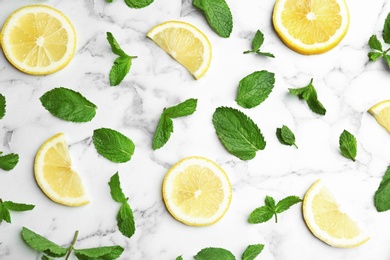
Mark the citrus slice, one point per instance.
(327, 222)
(38, 39)
(381, 113)
(185, 43)
(54, 174)
(311, 26)
(196, 191)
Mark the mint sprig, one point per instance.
(138, 3)
(255, 88)
(257, 41)
(270, 209)
(376, 46)
(68, 105)
(382, 195)
(214, 253)
(121, 65)
(8, 161)
(348, 145)
(252, 251)
(165, 123)
(218, 15)
(286, 136)
(7, 206)
(2, 106)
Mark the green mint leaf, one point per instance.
(238, 133)
(120, 69)
(5, 214)
(266, 54)
(285, 136)
(382, 195)
(374, 56)
(116, 49)
(125, 220)
(309, 94)
(387, 59)
(386, 30)
(103, 253)
(163, 131)
(46, 258)
(286, 203)
(8, 161)
(2, 106)
(348, 145)
(255, 88)
(214, 253)
(218, 15)
(269, 202)
(138, 3)
(185, 108)
(179, 258)
(258, 40)
(113, 145)
(260, 215)
(68, 105)
(115, 189)
(42, 244)
(17, 206)
(252, 251)
(374, 43)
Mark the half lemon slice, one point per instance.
(381, 113)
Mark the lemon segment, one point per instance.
(327, 221)
(311, 26)
(185, 43)
(196, 191)
(381, 113)
(38, 39)
(54, 174)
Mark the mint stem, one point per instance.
(386, 51)
(72, 245)
(276, 218)
(246, 52)
(295, 145)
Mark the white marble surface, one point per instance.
(347, 85)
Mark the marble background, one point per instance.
(347, 85)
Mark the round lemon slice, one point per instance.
(381, 113)
(38, 39)
(311, 26)
(185, 43)
(54, 174)
(197, 191)
(327, 222)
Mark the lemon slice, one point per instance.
(54, 173)
(38, 39)
(185, 43)
(327, 222)
(197, 191)
(311, 26)
(381, 113)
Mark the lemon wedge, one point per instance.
(54, 174)
(327, 222)
(381, 113)
(38, 39)
(311, 26)
(196, 191)
(185, 43)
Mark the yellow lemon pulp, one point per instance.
(54, 174)
(311, 26)
(327, 221)
(185, 43)
(38, 39)
(381, 113)
(196, 191)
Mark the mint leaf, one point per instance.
(309, 94)
(238, 133)
(165, 124)
(258, 40)
(104, 253)
(269, 201)
(115, 189)
(382, 195)
(386, 30)
(45, 258)
(42, 244)
(2, 106)
(255, 88)
(122, 64)
(387, 59)
(252, 251)
(374, 43)
(185, 108)
(374, 56)
(68, 105)
(4, 214)
(125, 220)
(17, 206)
(218, 15)
(214, 253)
(286, 203)
(113, 145)
(260, 215)
(285, 136)
(8, 161)
(348, 145)
(179, 258)
(138, 3)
